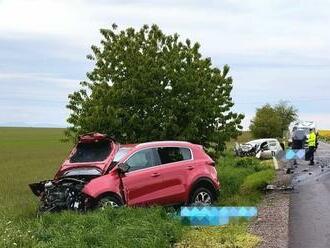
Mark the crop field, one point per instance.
(325, 135)
(27, 155)
(33, 154)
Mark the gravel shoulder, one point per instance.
(272, 223)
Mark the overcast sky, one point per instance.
(276, 49)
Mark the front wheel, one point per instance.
(202, 197)
(109, 202)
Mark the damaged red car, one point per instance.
(100, 172)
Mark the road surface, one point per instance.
(309, 221)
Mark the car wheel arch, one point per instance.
(109, 193)
(204, 182)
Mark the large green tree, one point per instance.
(287, 113)
(147, 85)
(266, 123)
(273, 121)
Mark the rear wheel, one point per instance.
(202, 197)
(109, 201)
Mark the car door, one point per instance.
(143, 182)
(176, 165)
(266, 153)
(274, 147)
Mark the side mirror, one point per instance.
(123, 167)
(282, 145)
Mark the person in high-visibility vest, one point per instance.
(311, 146)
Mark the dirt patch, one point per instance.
(272, 223)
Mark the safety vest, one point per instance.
(312, 139)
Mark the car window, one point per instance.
(273, 143)
(142, 159)
(264, 145)
(173, 154)
(121, 153)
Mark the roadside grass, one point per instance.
(233, 235)
(243, 180)
(122, 227)
(31, 154)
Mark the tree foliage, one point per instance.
(147, 85)
(272, 121)
(287, 114)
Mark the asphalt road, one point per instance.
(309, 221)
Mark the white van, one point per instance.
(300, 125)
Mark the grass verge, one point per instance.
(235, 236)
(243, 180)
(123, 227)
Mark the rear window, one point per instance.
(91, 152)
(173, 154)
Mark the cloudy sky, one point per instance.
(276, 49)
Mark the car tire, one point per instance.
(109, 201)
(201, 197)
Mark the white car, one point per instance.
(261, 148)
(267, 147)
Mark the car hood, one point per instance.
(67, 167)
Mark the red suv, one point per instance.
(100, 172)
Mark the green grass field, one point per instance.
(33, 154)
(27, 155)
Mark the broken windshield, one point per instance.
(91, 152)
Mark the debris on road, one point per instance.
(271, 187)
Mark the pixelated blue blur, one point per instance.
(215, 216)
